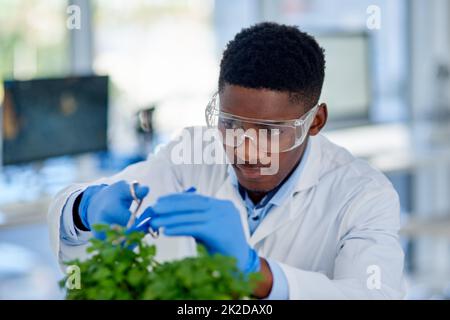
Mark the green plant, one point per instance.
(115, 271)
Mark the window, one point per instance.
(33, 38)
(159, 52)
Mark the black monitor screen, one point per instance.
(54, 117)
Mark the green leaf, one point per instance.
(114, 271)
(135, 277)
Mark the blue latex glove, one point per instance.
(142, 223)
(213, 222)
(108, 204)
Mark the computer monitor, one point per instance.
(348, 79)
(45, 118)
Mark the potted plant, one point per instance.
(123, 266)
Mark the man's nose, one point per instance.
(247, 151)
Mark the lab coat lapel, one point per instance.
(281, 215)
(278, 217)
(311, 171)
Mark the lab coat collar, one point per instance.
(311, 171)
(289, 186)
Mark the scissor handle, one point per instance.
(137, 200)
(154, 234)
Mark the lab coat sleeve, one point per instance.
(69, 233)
(369, 263)
(64, 248)
(280, 289)
(156, 172)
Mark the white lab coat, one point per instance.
(335, 238)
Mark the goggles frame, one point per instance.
(304, 121)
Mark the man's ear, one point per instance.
(319, 120)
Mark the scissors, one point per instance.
(154, 234)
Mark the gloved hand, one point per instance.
(213, 222)
(108, 204)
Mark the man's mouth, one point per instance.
(250, 171)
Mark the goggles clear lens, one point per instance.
(267, 135)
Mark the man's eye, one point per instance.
(274, 132)
(229, 124)
(269, 131)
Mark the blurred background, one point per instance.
(89, 87)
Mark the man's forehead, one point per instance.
(259, 103)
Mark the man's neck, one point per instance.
(256, 196)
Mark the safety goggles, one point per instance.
(270, 136)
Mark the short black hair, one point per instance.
(276, 57)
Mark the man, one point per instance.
(322, 225)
